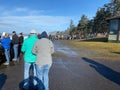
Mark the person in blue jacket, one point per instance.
(5, 42)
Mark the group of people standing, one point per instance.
(37, 53)
(12, 46)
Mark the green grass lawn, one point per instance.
(104, 50)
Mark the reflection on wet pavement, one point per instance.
(59, 47)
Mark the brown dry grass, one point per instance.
(106, 50)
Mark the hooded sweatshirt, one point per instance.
(43, 48)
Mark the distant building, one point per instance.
(114, 29)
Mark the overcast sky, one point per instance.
(49, 15)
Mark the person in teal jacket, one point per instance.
(29, 57)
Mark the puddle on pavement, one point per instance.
(64, 49)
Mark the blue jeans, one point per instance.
(15, 48)
(27, 67)
(43, 75)
(7, 55)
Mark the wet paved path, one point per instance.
(74, 71)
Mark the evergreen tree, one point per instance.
(82, 25)
(100, 23)
(72, 28)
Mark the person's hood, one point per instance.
(44, 35)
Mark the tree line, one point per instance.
(89, 27)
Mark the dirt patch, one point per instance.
(58, 54)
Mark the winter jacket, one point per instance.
(15, 39)
(27, 49)
(43, 48)
(21, 39)
(6, 42)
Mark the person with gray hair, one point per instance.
(5, 41)
(44, 49)
(29, 57)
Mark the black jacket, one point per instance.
(15, 39)
(21, 38)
